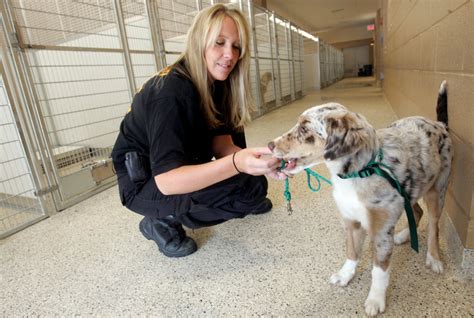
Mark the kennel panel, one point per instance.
(263, 39)
(298, 60)
(253, 84)
(144, 67)
(137, 25)
(82, 96)
(262, 34)
(266, 81)
(84, 61)
(175, 19)
(283, 46)
(138, 35)
(19, 204)
(64, 23)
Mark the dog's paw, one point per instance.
(434, 264)
(345, 274)
(402, 236)
(342, 278)
(375, 305)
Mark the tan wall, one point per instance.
(345, 34)
(343, 45)
(426, 41)
(260, 3)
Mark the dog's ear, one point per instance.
(346, 134)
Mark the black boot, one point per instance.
(264, 207)
(169, 235)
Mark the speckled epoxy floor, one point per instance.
(90, 260)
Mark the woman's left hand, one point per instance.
(258, 161)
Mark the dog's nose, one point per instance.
(271, 145)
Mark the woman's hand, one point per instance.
(258, 161)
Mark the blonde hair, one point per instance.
(202, 34)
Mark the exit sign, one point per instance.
(371, 27)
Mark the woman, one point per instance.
(182, 118)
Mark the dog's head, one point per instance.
(325, 132)
(265, 78)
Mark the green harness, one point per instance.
(376, 167)
(373, 167)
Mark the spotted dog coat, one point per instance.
(417, 150)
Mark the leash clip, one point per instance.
(289, 208)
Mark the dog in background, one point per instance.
(417, 150)
(265, 79)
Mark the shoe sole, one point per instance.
(169, 254)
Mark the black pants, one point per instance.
(232, 198)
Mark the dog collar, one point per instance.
(375, 166)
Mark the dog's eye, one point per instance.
(302, 130)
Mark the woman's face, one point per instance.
(222, 55)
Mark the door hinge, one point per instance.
(13, 37)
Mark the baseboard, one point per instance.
(462, 257)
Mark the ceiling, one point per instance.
(325, 15)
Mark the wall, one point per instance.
(345, 34)
(426, 42)
(355, 58)
(311, 66)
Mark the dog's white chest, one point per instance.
(348, 202)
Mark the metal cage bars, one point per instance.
(71, 68)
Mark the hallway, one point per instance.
(269, 265)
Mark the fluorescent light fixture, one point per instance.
(309, 36)
(287, 25)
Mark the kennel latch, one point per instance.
(44, 191)
(102, 170)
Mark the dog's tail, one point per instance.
(442, 106)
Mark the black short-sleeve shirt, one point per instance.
(166, 125)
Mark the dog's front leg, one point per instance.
(355, 236)
(382, 247)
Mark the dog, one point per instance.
(417, 150)
(265, 79)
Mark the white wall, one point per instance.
(355, 58)
(311, 71)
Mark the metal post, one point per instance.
(126, 51)
(160, 44)
(292, 50)
(155, 40)
(271, 57)
(289, 47)
(301, 44)
(255, 51)
(277, 49)
(319, 63)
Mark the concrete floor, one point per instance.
(90, 260)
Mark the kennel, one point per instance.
(331, 61)
(69, 69)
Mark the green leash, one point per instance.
(309, 173)
(375, 167)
